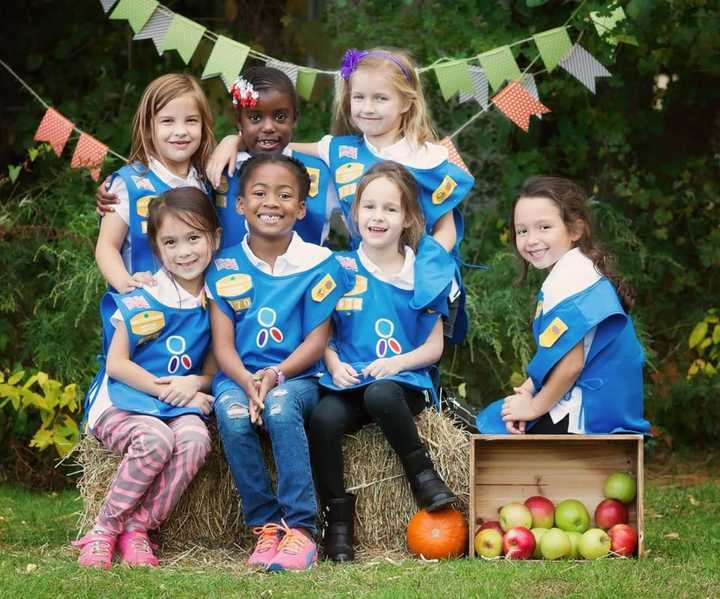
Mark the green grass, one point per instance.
(682, 539)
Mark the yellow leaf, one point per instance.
(16, 378)
(709, 369)
(30, 382)
(698, 333)
(52, 393)
(69, 397)
(42, 378)
(42, 439)
(462, 390)
(716, 334)
(2, 377)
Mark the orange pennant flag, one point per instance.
(89, 153)
(55, 129)
(453, 154)
(518, 105)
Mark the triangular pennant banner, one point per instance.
(137, 12)
(89, 153)
(226, 60)
(499, 64)
(305, 82)
(337, 84)
(453, 154)
(604, 25)
(528, 82)
(453, 77)
(156, 28)
(480, 88)
(107, 4)
(584, 67)
(54, 129)
(518, 105)
(553, 45)
(184, 36)
(291, 70)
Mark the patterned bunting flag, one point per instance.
(453, 77)
(156, 28)
(184, 36)
(553, 45)
(499, 64)
(107, 4)
(528, 82)
(54, 129)
(453, 154)
(584, 67)
(306, 82)
(604, 25)
(226, 60)
(89, 153)
(137, 12)
(518, 105)
(291, 70)
(480, 87)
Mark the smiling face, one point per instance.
(380, 215)
(177, 133)
(267, 128)
(271, 201)
(541, 235)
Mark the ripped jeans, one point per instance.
(287, 408)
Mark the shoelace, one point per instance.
(268, 535)
(292, 541)
(140, 544)
(99, 547)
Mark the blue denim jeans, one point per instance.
(287, 408)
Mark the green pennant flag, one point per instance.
(606, 24)
(453, 77)
(499, 64)
(137, 12)
(305, 82)
(184, 36)
(226, 60)
(553, 45)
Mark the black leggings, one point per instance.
(545, 426)
(392, 405)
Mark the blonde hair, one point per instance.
(156, 96)
(409, 204)
(415, 125)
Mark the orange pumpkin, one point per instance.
(437, 535)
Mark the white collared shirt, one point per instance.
(427, 155)
(402, 279)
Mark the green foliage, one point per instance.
(704, 341)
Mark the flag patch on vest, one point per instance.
(135, 301)
(226, 264)
(347, 152)
(349, 303)
(552, 333)
(142, 206)
(147, 323)
(348, 172)
(444, 190)
(314, 180)
(323, 288)
(347, 262)
(233, 285)
(142, 183)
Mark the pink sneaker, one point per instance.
(96, 550)
(136, 549)
(267, 544)
(295, 552)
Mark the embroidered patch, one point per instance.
(224, 186)
(232, 285)
(314, 180)
(538, 310)
(142, 183)
(347, 262)
(349, 304)
(266, 318)
(360, 287)
(176, 345)
(135, 301)
(147, 323)
(348, 172)
(384, 329)
(226, 264)
(444, 190)
(347, 190)
(241, 304)
(347, 152)
(323, 288)
(220, 200)
(142, 206)
(552, 333)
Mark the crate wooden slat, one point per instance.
(505, 468)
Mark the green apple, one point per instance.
(620, 486)
(574, 545)
(572, 516)
(555, 544)
(539, 533)
(594, 543)
(513, 515)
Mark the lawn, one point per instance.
(682, 541)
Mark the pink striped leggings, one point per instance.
(160, 458)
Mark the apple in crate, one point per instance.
(574, 544)
(555, 544)
(572, 516)
(493, 524)
(621, 486)
(513, 515)
(519, 543)
(542, 510)
(489, 543)
(594, 544)
(538, 533)
(610, 512)
(623, 539)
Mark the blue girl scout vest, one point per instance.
(310, 228)
(272, 315)
(611, 380)
(378, 320)
(165, 341)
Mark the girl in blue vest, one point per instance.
(172, 138)
(387, 332)
(272, 297)
(149, 402)
(586, 376)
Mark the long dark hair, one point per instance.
(570, 198)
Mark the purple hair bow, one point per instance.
(352, 59)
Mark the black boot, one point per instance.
(430, 492)
(339, 529)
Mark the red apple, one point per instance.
(518, 543)
(489, 543)
(542, 510)
(494, 524)
(623, 539)
(610, 512)
(513, 515)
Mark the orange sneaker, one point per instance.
(296, 552)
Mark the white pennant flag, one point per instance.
(291, 70)
(107, 4)
(338, 81)
(156, 27)
(583, 66)
(480, 87)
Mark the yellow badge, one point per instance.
(314, 180)
(349, 303)
(347, 190)
(234, 285)
(220, 200)
(323, 288)
(348, 172)
(538, 310)
(360, 286)
(551, 334)
(224, 186)
(142, 206)
(147, 323)
(444, 190)
(241, 304)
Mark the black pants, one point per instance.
(392, 405)
(545, 426)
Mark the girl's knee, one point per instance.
(194, 437)
(232, 412)
(327, 421)
(380, 396)
(156, 441)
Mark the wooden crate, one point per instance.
(505, 468)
